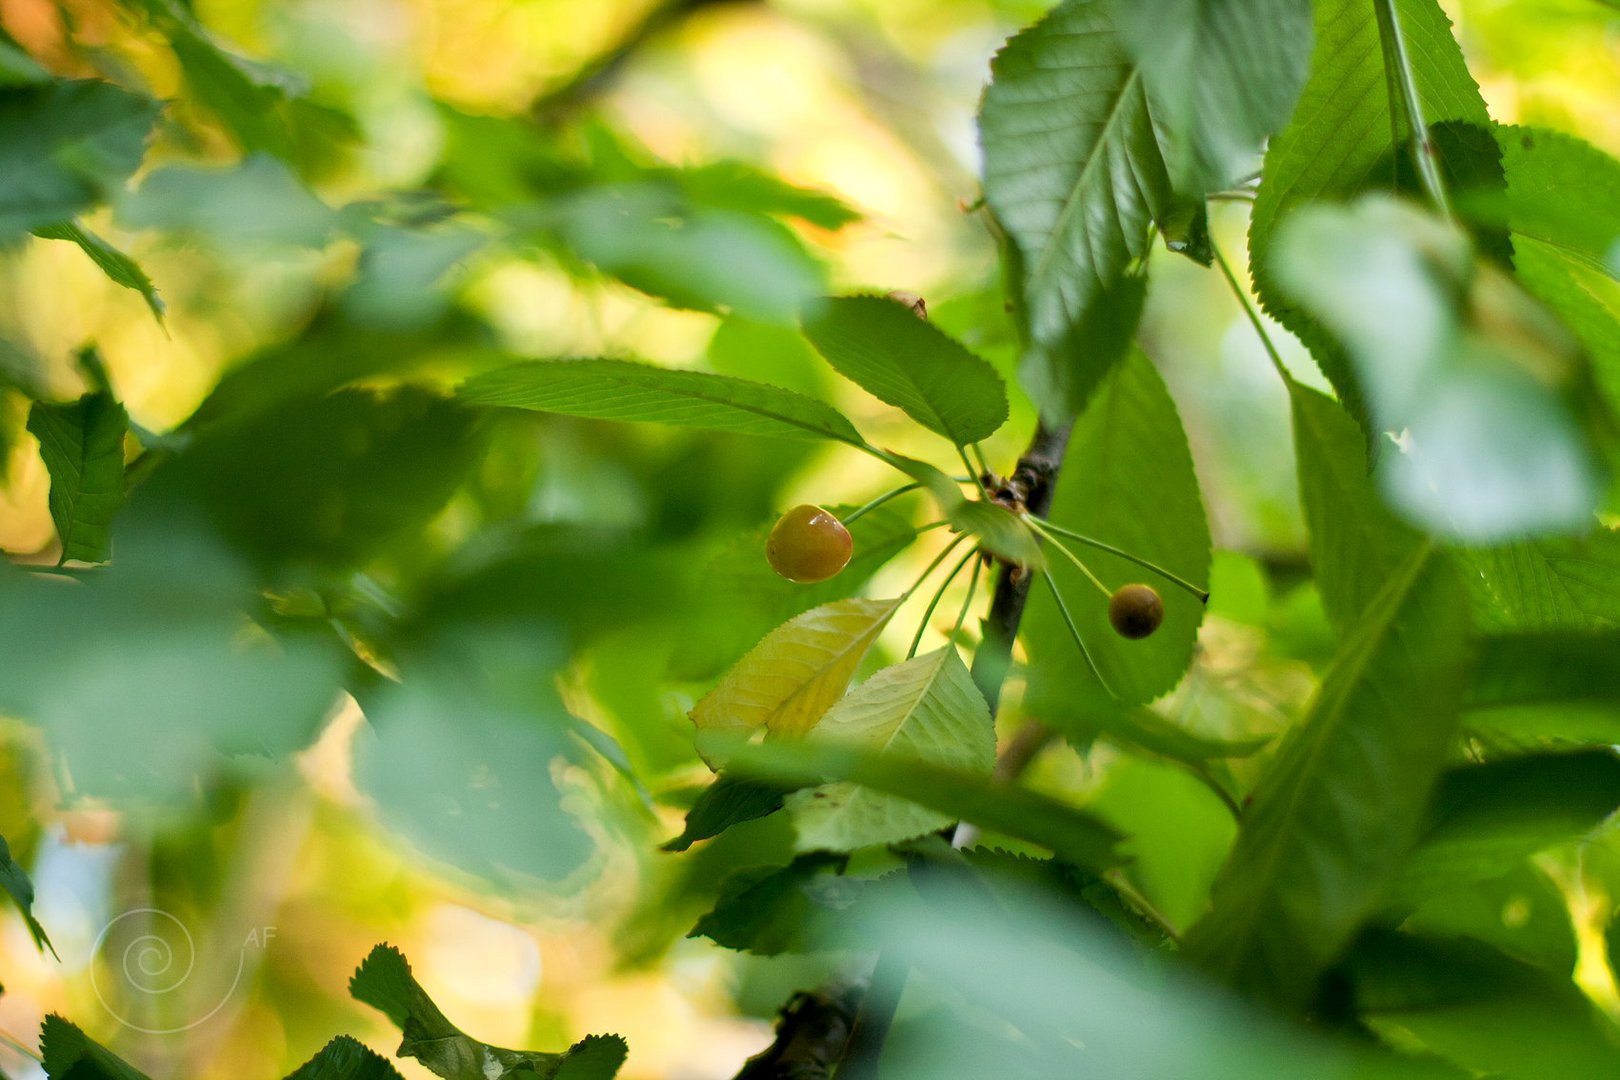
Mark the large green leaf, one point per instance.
(1566, 583)
(83, 447)
(1473, 373)
(771, 910)
(1074, 173)
(119, 267)
(1487, 819)
(923, 710)
(1585, 299)
(726, 802)
(1345, 796)
(384, 981)
(255, 204)
(345, 1059)
(1341, 140)
(1223, 75)
(786, 682)
(908, 362)
(14, 879)
(1561, 191)
(623, 390)
(1356, 542)
(64, 146)
(1127, 480)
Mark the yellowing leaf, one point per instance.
(787, 681)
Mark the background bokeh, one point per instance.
(285, 873)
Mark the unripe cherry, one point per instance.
(808, 545)
(1135, 611)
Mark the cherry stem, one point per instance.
(939, 594)
(877, 502)
(1254, 316)
(1046, 528)
(973, 473)
(978, 455)
(946, 550)
(1040, 527)
(973, 585)
(1074, 632)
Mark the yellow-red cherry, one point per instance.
(1135, 611)
(808, 545)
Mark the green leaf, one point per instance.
(726, 802)
(622, 390)
(17, 68)
(1356, 542)
(69, 1052)
(1341, 139)
(922, 710)
(66, 145)
(1470, 1004)
(1074, 174)
(83, 448)
(384, 981)
(772, 910)
(1586, 300)
(1222, 76)
(1471, 371)
(1128, 481)
(119, 268)
(332, 481)
(1524, 668)
(345, 1059)
(1564, 583)
(1562, 192)
(258, 203)
(998, 531)
(1345, 795)
(1487, 819)
(908, 362)
(14, 879)
(794, 675)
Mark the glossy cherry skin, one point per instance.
(808, 545)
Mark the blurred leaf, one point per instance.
(258, 203)
(17, 68)
(907, 362)
(740, 186)
(772, 910)
(740, 598)
(146, 674)
(70, 1053)
(1490, 447)
(787, 681)
(1356, 542)
(1340, 143)
(1072, 834)
(1533, 668)
(1586, 300)
(83, 448)
(1075, 197)
(1345, 795)
(1128, 481)
(467, 776)
(119, 268)
(926, 709)
(1141, 729)
(1486, 819)
(14, 879)
(1224, 75)
(1566, 583)
(622, 390)
(1040, 991)
(706, 259)
(345, 1059)
(66, 145)
(1522, 912)
(726, 802)
(401, 273)
(1474, 1006)
(384, 981)
(334, 480)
